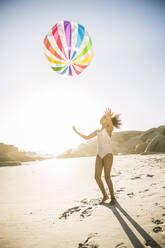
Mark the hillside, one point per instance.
(124, 142)
(10, 155)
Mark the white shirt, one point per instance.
(104, 143)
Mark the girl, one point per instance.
(104, 157)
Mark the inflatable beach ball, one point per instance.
(68, 48)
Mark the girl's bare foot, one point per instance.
(104, 199)
(113, 201)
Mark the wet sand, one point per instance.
(55, 203)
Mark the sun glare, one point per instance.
(46, 119)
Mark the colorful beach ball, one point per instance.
(68, 47)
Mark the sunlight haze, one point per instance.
(38, 107)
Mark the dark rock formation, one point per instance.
(157, 144)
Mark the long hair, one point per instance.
(116, 121)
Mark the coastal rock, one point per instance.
(10, 155)
(140, 147)
(157, 144)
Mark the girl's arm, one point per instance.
(86, 137)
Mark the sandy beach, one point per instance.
(55, 203)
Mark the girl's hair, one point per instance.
(116, 121)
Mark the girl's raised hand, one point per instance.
(109, 112)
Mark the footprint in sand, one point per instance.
(157, 229)
(149, 175)
(157, 221)
(121, 245)
(87, 212)
(93, 201)
(69, 212)
(86, 243)
(133, 178)
(131, 194)
(84, 201)
(120, 189)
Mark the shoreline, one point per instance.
(18, 163)
(10, 163)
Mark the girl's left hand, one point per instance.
(109, 112)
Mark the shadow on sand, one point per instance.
(149, 241)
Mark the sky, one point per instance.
(38, 106)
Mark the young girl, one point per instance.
(104, 158)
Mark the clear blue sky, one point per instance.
(126, 73)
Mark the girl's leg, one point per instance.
(98, 172)
(108, 160)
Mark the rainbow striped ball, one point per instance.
(68, 47)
